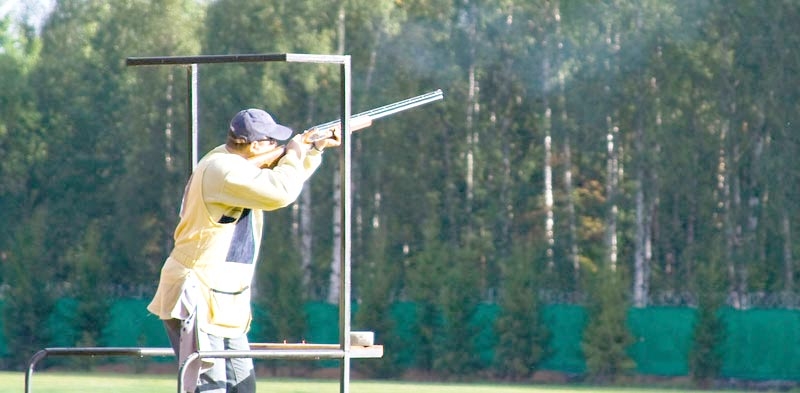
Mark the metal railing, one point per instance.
(92, 352)
(257, 351)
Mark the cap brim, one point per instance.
(280, 132)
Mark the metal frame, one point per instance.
(90, 351)
(343, 351)
(301, 351)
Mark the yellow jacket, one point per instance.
(219, 235)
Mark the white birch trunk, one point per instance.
(471, 138)
(473, 108)
(739, 272)
(572, 217)
(306, 238)
(640, 263)
(302, 226)
(169, 162)
(611, 191)
(359, 219)
(613, 168)
(724, 190)
(548, 170)
(788, 258)
(334, 279)
(568, 186)
(641, 260)
(169, 159)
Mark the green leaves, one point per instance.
(701, 101)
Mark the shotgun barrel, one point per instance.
(364, 119)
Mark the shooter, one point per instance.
(203, 295)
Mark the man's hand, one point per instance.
(297, 147)
(269, 158)
(334, 141)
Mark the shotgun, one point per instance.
(357, 122)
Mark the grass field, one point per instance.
(50, 382)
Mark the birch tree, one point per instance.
(570, 237)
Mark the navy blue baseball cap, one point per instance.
(256, 125)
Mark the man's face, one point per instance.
(263, 146)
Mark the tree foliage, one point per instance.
(606, 338)
(656, 136)
(705, 358)
(523, 340)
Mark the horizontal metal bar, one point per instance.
(205, 59)
(299, 351)
(311, 58)
(275, 354)
(109, 351)
(240, 58)
(90, 351)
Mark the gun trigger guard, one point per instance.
(318, 135)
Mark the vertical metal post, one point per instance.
(344, 292)
(192, 117)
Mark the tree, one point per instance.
(698, 101)
(21, 142)
(705, 358)
(88, 269)
(279, 293)
(422, 270)
(151, 113)
(31, 298)
(375, 293)
(100, 157)
(457, 351)
(606, 338)
(522, 338)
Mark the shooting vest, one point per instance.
(217, 239)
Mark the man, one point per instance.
(203, 294)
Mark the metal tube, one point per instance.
(413, 102)
(241, 58)
(31, 365)
(318, 59)
(90, 351)
(344, 292)
(390, 109)
(204, 59)
(192, 109)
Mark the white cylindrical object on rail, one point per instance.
(363, 339)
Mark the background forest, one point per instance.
(610, 154)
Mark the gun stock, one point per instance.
(318, 133)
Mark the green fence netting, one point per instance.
(759, 344)
(404, 315)
(485, 339)
(663, 337)
(131, 325)
(565, 324)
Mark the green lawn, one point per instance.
(51, 382)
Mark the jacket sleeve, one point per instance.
(234, 181)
